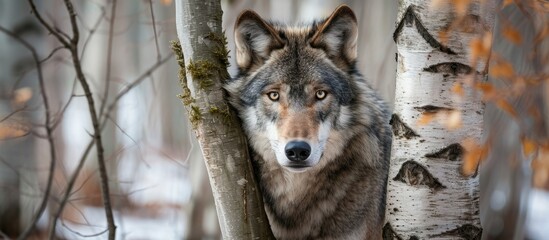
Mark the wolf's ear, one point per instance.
(337, 35)
(254, 39)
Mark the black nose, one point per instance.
(297, 150)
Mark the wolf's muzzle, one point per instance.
(297, 151)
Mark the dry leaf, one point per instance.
(22, 95)
(506, 3)
(487, 90)
(425, 119)
(540, 167)
(166, 2)
(474, 154)
(512, 34)
(444, 36)
(457, 89)
(480, 47)
(507, 107)
(13, 129)
(501, 69)
(461, 6)
(528, 146)
(453, 121)
(437, 4)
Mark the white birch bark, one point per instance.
(428, 197)
(237, 198)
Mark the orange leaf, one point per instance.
(528, 146)
(166, 2)
(506, 3)
(474, 153)
(457, 89)
(501, 70)
(512, 35)
(425, 118)
(453, 121)
(506, 106)
(540, 168)
(22, 95)
(461, 6)
(12, 129)
(480, 47)
(443, 36)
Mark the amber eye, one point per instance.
(273, 96)
(320, 94)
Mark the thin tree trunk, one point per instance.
(238, 201)
(428, 197)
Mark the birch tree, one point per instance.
(436, 116)
(202, 56)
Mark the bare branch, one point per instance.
(73, 46)
(158, 57)
(109, 59)
(49, 133)
(59, 37)
(51, 54)
(92, 31)
(13, 112)
(110, 108)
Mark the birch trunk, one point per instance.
(238, 201)
(427, 196)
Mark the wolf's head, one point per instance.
(295, 86)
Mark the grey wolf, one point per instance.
(318, 132)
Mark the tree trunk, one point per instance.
(428, 197)
(204, 68)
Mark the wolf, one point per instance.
(318, 133)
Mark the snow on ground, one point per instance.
(168, 225)
(158, 189)
(537, 220)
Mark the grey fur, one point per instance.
(342, 195)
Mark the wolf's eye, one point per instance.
(320, 94)
(273, 96)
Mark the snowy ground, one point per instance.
(537, 221)
(158, 189)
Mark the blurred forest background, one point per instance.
(159, 188)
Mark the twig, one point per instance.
(110, 108)
(51, 54)
(109, 59)
(92, 32)
(59, 37)
(13, 112)
(158, 57)
(49, 131)
(73, 47)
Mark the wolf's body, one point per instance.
(318, 132)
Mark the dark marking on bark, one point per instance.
(452, 152)
(415, 174)
(413, 237)
(466, 231)
(454, 68)
(432, 109)
(410, 17)
(389, 233)
(401, 129)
